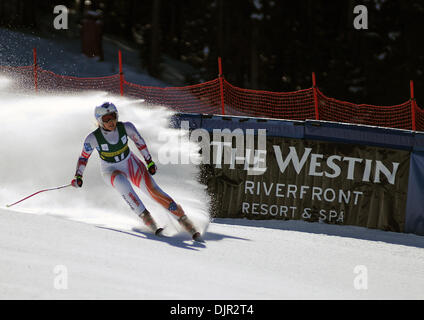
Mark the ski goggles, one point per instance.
(107, 117)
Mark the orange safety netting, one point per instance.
(419, 119)
(48, 80)
(30, 78)
(397, 116)
(297, 105)
(220, 97)
(200, 98)
(22, 77)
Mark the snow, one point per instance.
(87, 244)
(240, 259)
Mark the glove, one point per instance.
(77, 182)
(151, 167)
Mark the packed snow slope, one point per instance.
(87, 244)
(46, 257)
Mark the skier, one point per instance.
(120, 167)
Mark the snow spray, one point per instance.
(42, 137)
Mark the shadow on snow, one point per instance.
(179, 240)
(360, 233)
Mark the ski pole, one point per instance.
(9, 205)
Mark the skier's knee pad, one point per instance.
(176, 209)
(172, 206)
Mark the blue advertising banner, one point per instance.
(314, 171)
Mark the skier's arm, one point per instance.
(138, 140)
(141, 146)
(82, 161)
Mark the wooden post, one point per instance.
(314, 86)
(34, 54)
(121, 74)
(411, 86)
(221, 86)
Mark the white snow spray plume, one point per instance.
(42, 137)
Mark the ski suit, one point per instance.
(120, 167)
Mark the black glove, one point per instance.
(77, 181)
(151, 167)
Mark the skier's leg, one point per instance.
(139, 174)
(166, 201)
(140, 177)
(120, 182)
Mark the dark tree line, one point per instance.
(269, 44)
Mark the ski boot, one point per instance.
(149, 222)
(184, 221)
(188, 226)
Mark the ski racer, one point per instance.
(120, 167)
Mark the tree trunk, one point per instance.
(254, 63)
(154, 60)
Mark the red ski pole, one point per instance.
(9, 205)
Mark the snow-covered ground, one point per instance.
(87, 244)
(47, 257)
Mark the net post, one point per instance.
(221, 85)
(412, 99)
(34, 55)
(314, 87)
(121, 74)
